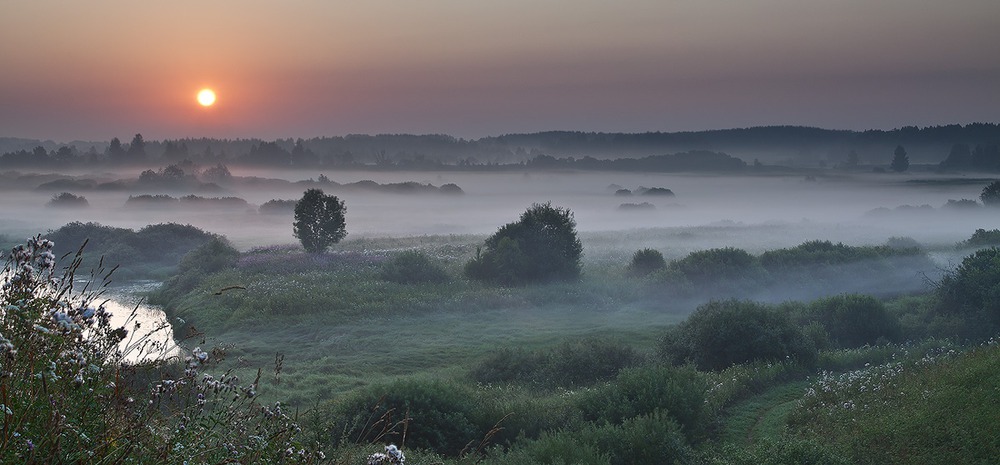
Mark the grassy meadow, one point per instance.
(815, 353)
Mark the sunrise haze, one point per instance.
(96, 70)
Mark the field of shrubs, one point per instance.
(722, 356)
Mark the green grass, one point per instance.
(341, 330)
(941, 408)
(761, 416)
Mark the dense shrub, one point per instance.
(153, 251)
(413, 267)
(277, 207)
(677, 392)
(658, 191)
(148, 200)
(991, 194)
(855, 320)
(451, 189)
(541, 246)
(720, 334)
(817, 253)
(727, 263)
(982, 238)
(197, 201)
(961, 204)
(727, 272)
(436, 415)
(574, 363)
(902, 243)
(68, 200)
(971, 292)
(646, 261)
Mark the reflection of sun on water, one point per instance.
(152, 339)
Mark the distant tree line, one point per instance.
(980, 158)
(793, 144)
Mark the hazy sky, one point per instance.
(303, 68)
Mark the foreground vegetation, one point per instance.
(386, 342)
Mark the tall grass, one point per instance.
(69, 394)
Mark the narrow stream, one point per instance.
(150, 335)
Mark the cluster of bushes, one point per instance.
(646, 261)
(655, 412)
(721, 334)
(571, 364)
(651, 191)
(68, 200)
(212, 256)
(153, 251)
(805, 270)
(162, 200)
(981, 238)
(408, 187)
(278, 207)
(969, 295)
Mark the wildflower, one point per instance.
(392, 456)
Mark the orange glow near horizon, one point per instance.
(206, 97)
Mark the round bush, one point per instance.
(68, 200)
(435, 415)
(541, 246)
(646, 261)
(972, 292)
(854, 320)
(720, 334)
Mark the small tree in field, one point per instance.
(900, 161)
(319, 220)
(541, 246)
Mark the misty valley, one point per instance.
(534, 313)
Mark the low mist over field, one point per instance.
(500, 233)
(753, 211)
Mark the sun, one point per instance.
(206, 97)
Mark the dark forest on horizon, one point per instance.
(971, 146)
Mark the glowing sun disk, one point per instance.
(206, 97)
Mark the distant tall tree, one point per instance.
(319, 220)
(175, 151)
(137, 149)
(900, 162)
(64, 155)
(39, 156)
(116, 153)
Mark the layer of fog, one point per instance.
(752, 212)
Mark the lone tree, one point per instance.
(541, 246)
(900, 162)
(991, 194)
(319, 220)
